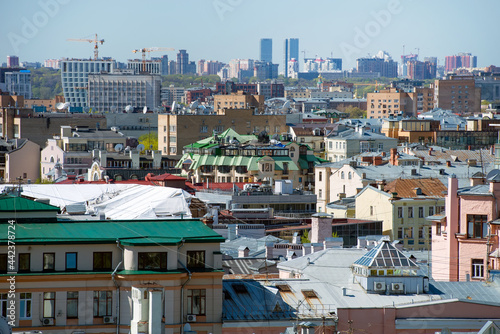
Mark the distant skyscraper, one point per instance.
(461, 60)
(266, 50)
(164, 65)
(182, 62)
(290, 50)
(12, 61)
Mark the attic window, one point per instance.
(284, 288)
(309, 294)
(240, 288)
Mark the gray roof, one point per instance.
(385, 255)
(257, 247)
(352, 134)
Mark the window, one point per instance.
(49, 301)
(371, 210)
(421, 212)
(24, 262)
(400, 212)
(48, 261)
(196, 301)
(196, 259)
(342, 175)
(71, 261)
(421, 232)
(409, 232)
(381, 146)
(477, 268)
(72, 304)
(320, 193)
(477, 226)
(410, 212)
(203, 129)
(3, 305)
(103, 302)
(349, 175)
(25, 305)
(153, 261)
(102, 260)
(320, 176)
(3, 263)
(400, 233)
(438, 228)
(431, 211)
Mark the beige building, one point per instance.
(389, 102)
(238, 100)
(457, 93)
(118, 277)
(176, 131)
(403, 206)
(19, 158)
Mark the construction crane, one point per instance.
(148, 50)
(96, 42)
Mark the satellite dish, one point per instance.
(144, 110)
(118, 147)
(129, 108)
(174, 105)
(86, 109)
(113, 108)
(60, 106)
(194, 105)
(141, 147)
(66, 105)
(286, 105)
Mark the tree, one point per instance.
(305, 237)
(149, 139)
(355, 112)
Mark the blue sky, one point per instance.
(36, 30)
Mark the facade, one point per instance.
(458, 94)
(12, 61)
(266, 50)
(389, 102)
(171, 94)
(230, 157)
(229, 87)
(238, 100)
(153, 66)
(265, 70)
(290, 50)
(74, 78)
(19, 83)
(270, 90)
(322, 65)
(113, 92)
(354, 141)
(385, 67)
(72, 150)
(175, 131)
(52, 63)
(403, 205)
(181, 66)
(466, 60)
(421, 70)
(19, 159)
(465, 240)
(117, 279)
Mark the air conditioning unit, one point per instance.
(48, 321)
(191, 318)
(108, 320)
(379, 286)
(397, 287)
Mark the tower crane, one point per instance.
(148, 50)
(96, 42)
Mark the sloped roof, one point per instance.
(405, 188)
(385, 255)
(18, 204)
(131, 232)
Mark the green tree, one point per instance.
(305, 237)
(45, 83)
(355, 112)
(149, 139)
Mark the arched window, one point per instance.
(349, 175)
(52, 159)
(342, 175)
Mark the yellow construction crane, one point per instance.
(148, 50)
(96, 42)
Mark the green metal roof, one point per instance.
(145, 232)
(14, 203)
(279, 161)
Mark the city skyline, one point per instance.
(40, 31)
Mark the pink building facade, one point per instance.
(465, 242)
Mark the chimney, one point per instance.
(321, 227)
(243, 251)
(448, 163)
(430, 150)
(383, 154)
(393, 158)
(269, 250)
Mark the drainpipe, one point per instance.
(117, 289)
(182, 287)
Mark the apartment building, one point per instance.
(116, 277)
(176, 131)
(457, 93)
(389, 102)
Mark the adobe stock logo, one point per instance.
(224, 6)
(373, 28)
(30, 28)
